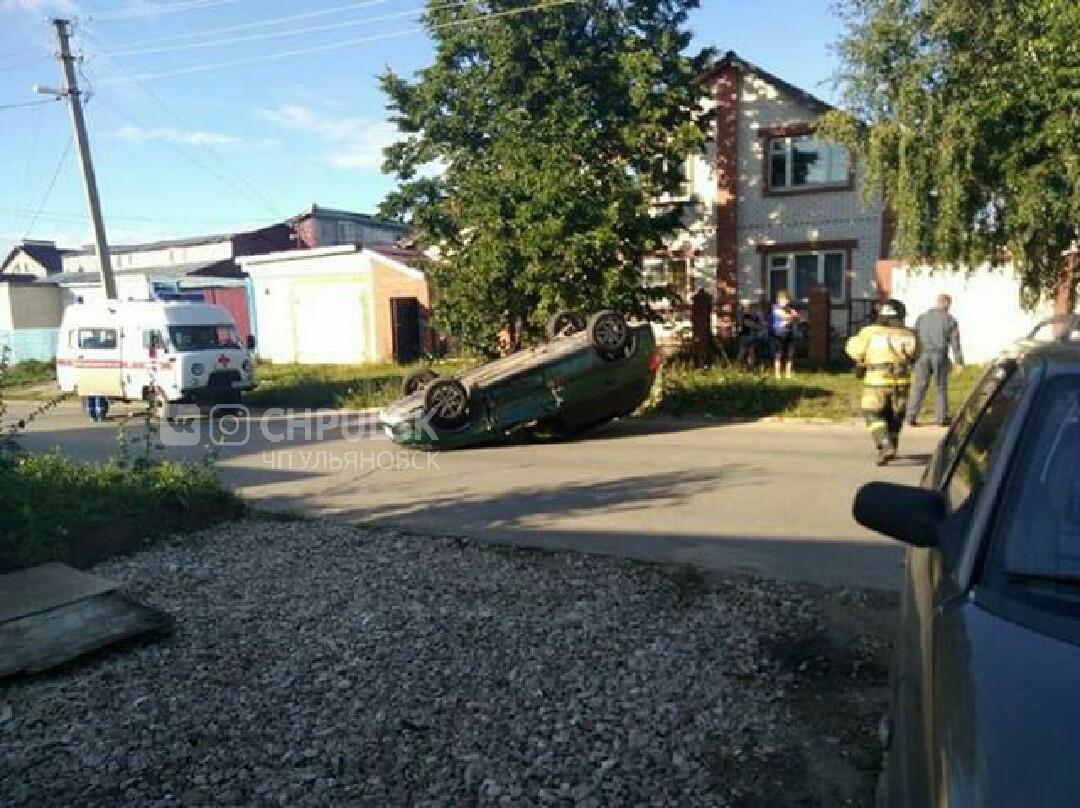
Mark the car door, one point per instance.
(98, 361)
(959, 470)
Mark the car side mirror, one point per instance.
(251, 342)
(906, 513)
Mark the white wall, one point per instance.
(125, 261)
(986, 303)
(279, 279)
(23, 264)
(778, 219)
(129, 286)
(835, 215)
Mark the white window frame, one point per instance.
(657, 272)
(789, 268)
(833, 151)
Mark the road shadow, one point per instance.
(517, 518)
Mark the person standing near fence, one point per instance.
(782, 321)
(939, 333)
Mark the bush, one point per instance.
(26, 373)
(58, 509)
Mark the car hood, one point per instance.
(1010, 709)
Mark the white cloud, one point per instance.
(187, 137)
(39, 6)
(355, 143)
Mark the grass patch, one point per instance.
(733, 394)
(25, 374)
(336, 386)
(58, 509)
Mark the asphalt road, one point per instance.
(771, 498)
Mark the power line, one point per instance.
(191, 158)
(247, 26)
(215, 43)
(58, 216)
(48, 190)
(348, 43)
(252, 191)
(22, 104)
(155, 11)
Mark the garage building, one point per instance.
(338, 305)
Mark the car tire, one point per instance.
(564, 323)
(609, 334)
(446, 403)
(417, 381)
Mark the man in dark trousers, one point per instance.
(939, 333)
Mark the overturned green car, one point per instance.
(589, 373)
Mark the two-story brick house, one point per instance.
(768, 206)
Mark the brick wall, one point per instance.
(727, 184)
(388, 283)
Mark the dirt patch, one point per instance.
(836, 654)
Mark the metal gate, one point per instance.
(405, 316)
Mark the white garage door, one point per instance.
(330, 325)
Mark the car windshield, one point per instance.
(1041, 520)
(203, 337)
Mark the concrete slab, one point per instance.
(44, 640)
(49, 586)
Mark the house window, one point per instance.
(798, 273)
(346, 233)
(802, 162)
(673, 272)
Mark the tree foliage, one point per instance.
(967, 116)
(550, 131)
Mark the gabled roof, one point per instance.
(190, 241)
(45, 253)
(733, 59)
(225, 268)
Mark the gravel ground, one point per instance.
(314, 663)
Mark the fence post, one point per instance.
(818, 345)
(701, 307)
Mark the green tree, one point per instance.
(967, 116)
(551, 127)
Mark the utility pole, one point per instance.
(93, 201)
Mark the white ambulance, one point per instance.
(170, 353)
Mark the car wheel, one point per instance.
(564, 323)
(417, 381)
(446, 402)
(609, 333)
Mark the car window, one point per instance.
(975, 454)
(97, 338)
(1039, 528)
(945, 457)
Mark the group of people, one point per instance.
(764, 335)
(887, 354)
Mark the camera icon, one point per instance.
(230, 425)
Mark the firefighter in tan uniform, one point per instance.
(884, 354)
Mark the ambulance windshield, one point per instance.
(203, 337)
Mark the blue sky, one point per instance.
(257, 140)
